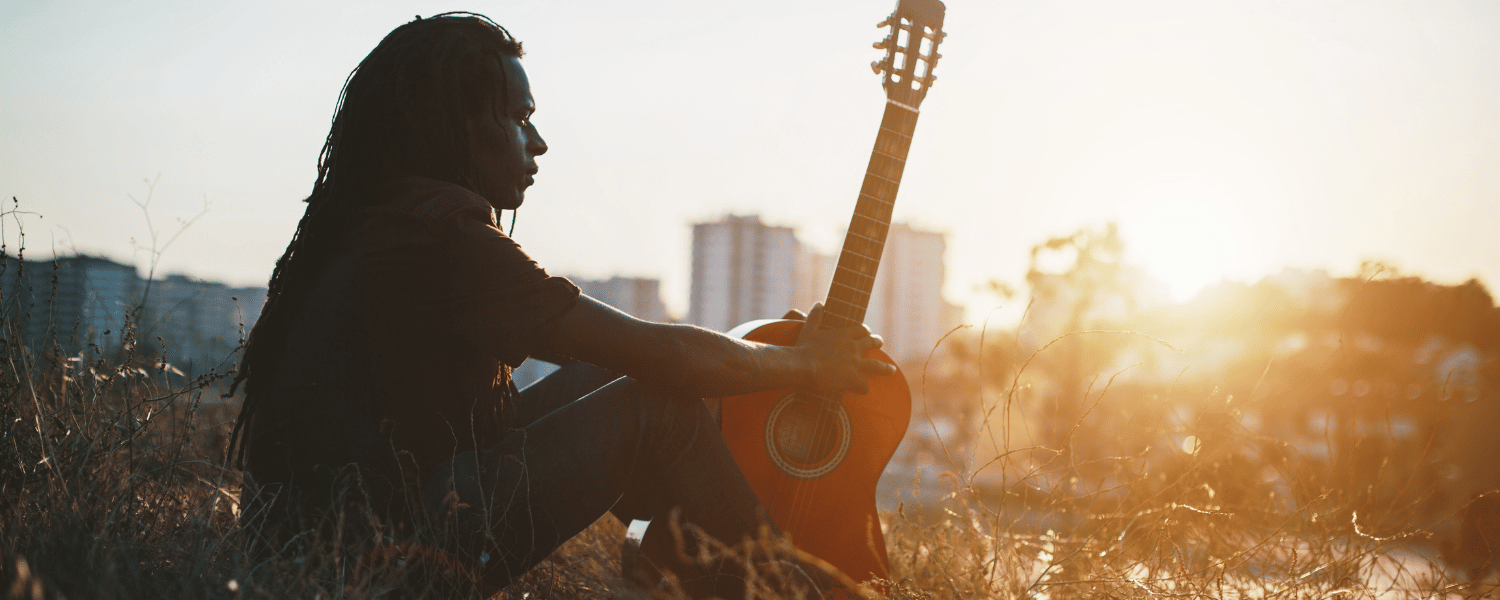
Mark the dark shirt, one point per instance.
(402, 353)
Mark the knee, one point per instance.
(659, 410)
(590, 377)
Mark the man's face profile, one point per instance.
(506, 144)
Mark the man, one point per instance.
(379, 373)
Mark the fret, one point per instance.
(859, 294)
(873, 224)
(903, 105)
(880, 189)
(898, 121)
(849, 259)
(874, 210)
(894, 135)
(868, 202)
(888, 167)
(834, 303)
(877, 199)
(855, 279)
(870, 249)
(869, 227)
(866, 242)
(838, 314)
(890, 144)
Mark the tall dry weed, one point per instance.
(113, 485)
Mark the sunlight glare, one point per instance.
(1185, 234)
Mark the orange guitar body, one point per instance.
(819, 485)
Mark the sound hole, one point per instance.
(807, 438)
(807, 433)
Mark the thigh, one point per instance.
(547, 481)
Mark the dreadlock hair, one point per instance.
(403, 111)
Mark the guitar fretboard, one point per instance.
(854, 278)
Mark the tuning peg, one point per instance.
(881, 45)
(886, 22)
(876, 66)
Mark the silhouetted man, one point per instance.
(382, 361)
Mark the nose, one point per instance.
(535, 144)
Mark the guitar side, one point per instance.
(832, 515)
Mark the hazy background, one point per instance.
(1228, 139)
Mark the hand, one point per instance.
(836, 355)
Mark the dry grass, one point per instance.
(113, 485)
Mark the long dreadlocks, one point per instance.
(403, 111)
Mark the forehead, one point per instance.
(517, 86)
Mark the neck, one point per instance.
(854, 278)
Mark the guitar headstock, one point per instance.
(916, 29)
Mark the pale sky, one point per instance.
(1228, 139)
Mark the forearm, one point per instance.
(699, 362)
(685, 359)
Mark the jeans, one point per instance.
(587, 442)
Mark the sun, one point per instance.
(1185, 233)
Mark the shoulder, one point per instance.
(436, 202)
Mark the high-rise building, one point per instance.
(204, 320)
(84, 304)
(743, 270)
(77, 301)
(907, 306)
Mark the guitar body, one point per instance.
(813, 465)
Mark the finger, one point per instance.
(870, 343)
(815, 315)
(860, 386)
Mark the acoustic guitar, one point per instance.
(814, 459)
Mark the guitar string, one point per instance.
(827, 420)
(801, 489)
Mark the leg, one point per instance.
(568, 383)
(562, 387)
(549, 480)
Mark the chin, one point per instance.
(506, 202)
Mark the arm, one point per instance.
(702, 363)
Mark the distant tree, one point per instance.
(1077, 282)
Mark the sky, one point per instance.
(1228, 139)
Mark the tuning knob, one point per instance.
(887, 21)
(876, 66)
(882, 44)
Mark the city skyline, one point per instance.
(1228, 139)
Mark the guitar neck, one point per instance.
(854, 278)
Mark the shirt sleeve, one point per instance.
(485, 292)
(508, 296)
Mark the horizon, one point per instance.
(1228, 141)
